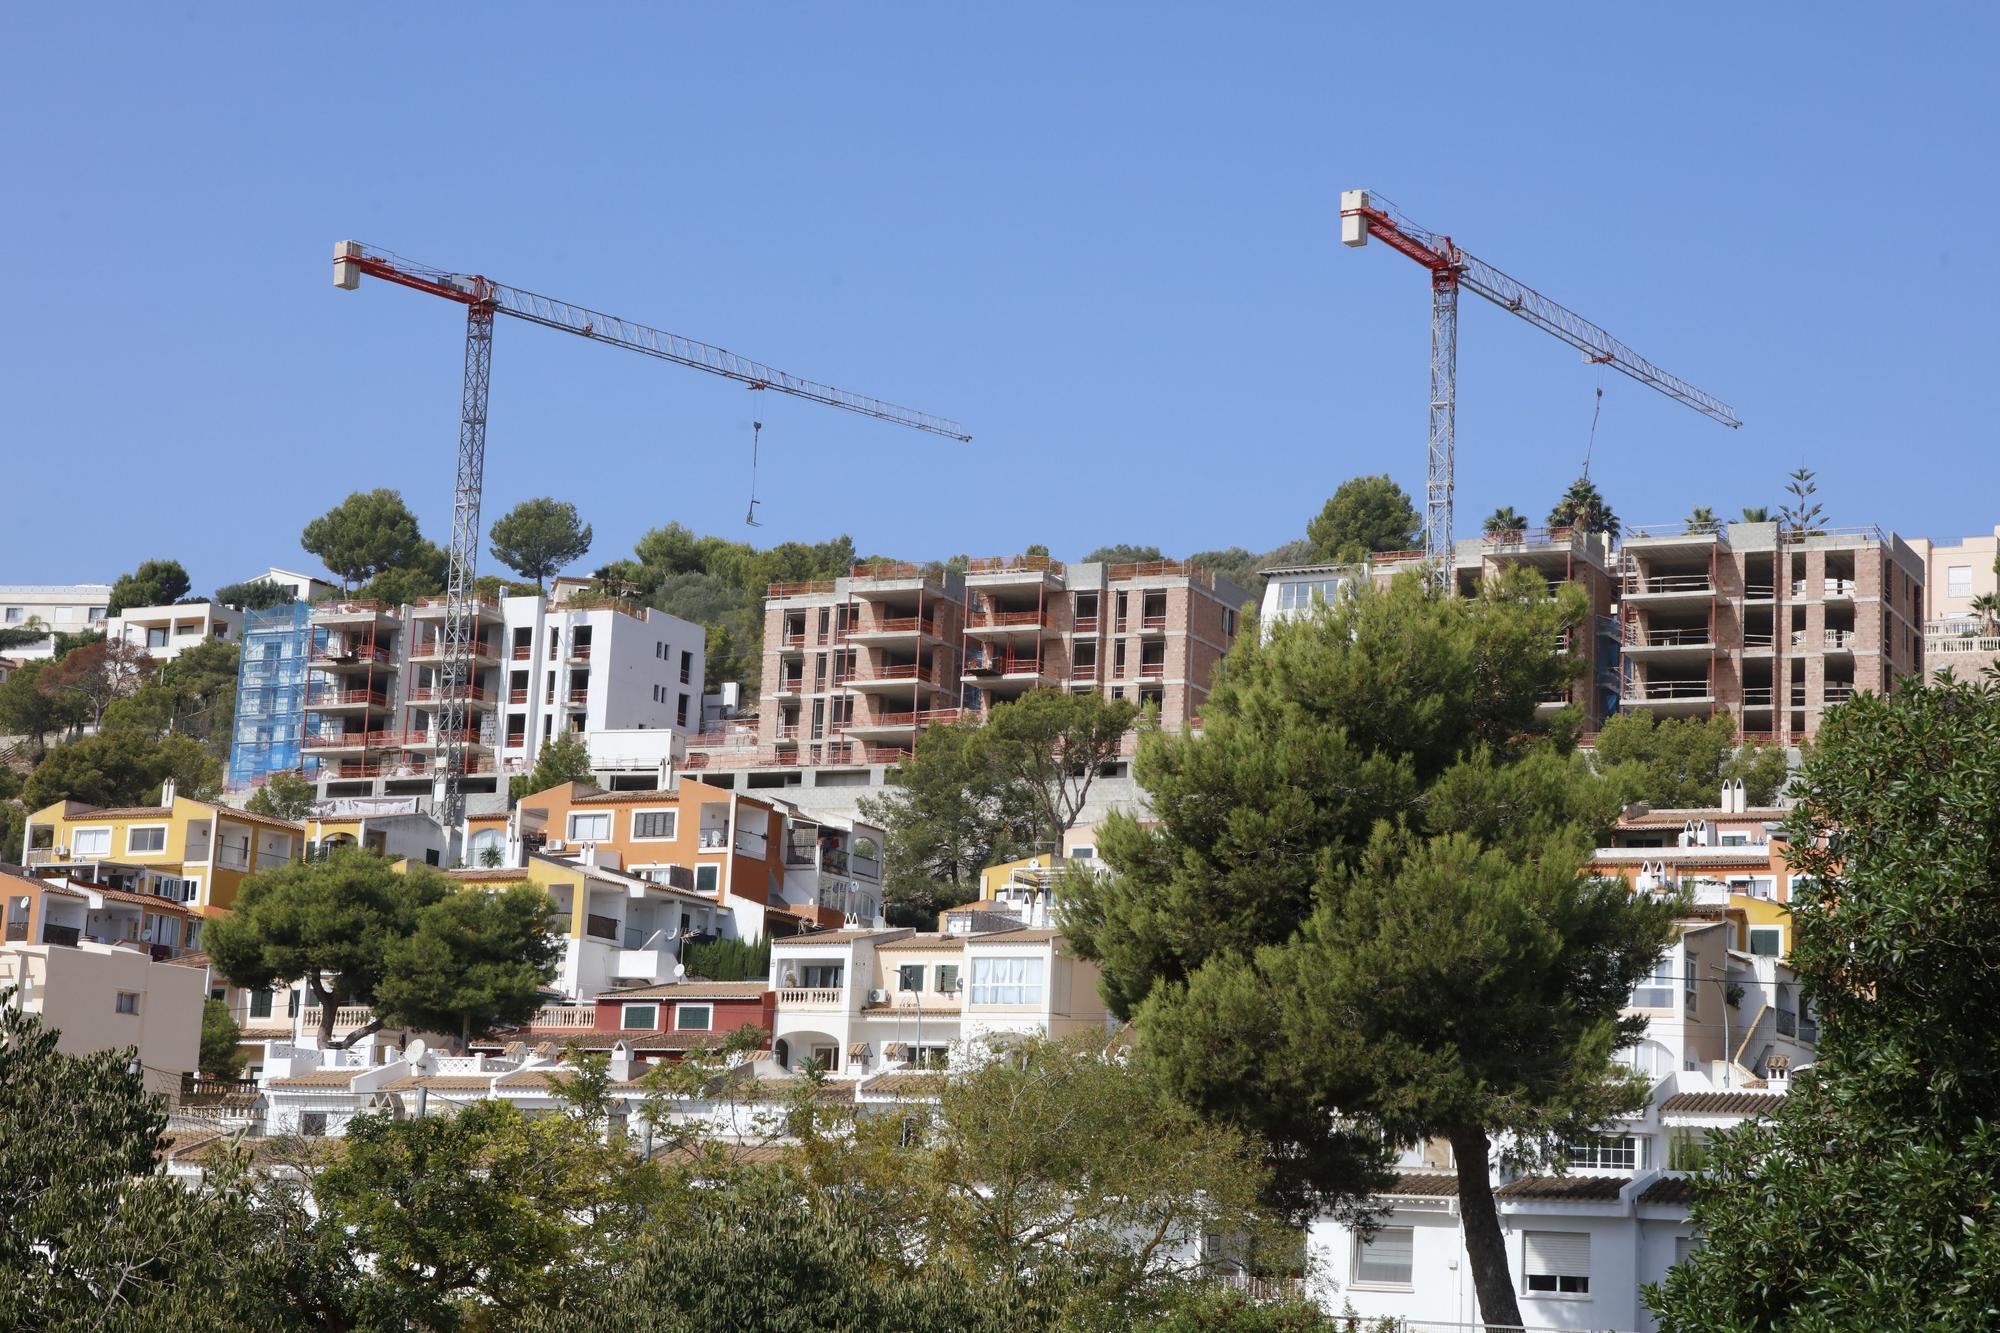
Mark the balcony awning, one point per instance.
(895, 1050)
(858, 1051)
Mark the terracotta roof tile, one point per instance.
(124, 812)
(691, 990)
(1721, 1103)
(1023, 935)
(1423, 1185)
(319, 1078)
(443, 1083)
(1570, 1188)
(539, 1080)
(728, 1154)
(653, 796)
(1669, 1189)
(905, 1083)
(947, 943)
(505, 875)
(189, 960)
(834, 937)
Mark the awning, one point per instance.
(858, 1051)
(895, 1050)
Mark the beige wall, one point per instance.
(1975, 555)
(76, 989)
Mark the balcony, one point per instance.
(339, 700)
(1152, 671)
(578, 698)
(1153, 624)
(890, 679)
(338, 657)
(432, 650)
(600, 927)
(579, 652)
(1086, 624)
(522, 652)
(565, 1017)
(1672, 698)
(985, 624)
(636, 964)
(428, 694)
(346, 1018)
(811, 997)
(433, 608)
(788, 685)
(1669, 587)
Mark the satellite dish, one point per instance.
(680, 970)
(414, 1052)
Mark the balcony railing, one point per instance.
(799, 589)
(579, 652)
(327, 655)
(348, 1016)
(1008, 564)
(600, 927)
(1671, 689)
(578, 698)
(424, 694)
(1153, 622)
(817, 997)
(1004, 619)
(1086, 624)
(1692, 636)
(339, 698)
(1637, 585)
(714, 839)
(1152, 670)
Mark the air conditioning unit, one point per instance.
(555, 845)
(878, 997)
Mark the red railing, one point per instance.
(517, 696)
(1152, 670)
(799, 589)
(479, 603)
(342, 655)
(1153, 622)
(1003, 664)
(1532, 537)
(332, 698)
(886, 569)
(1149, 569)
(523, 652)
(418, 769)
(579, 652)
(1002, 619)
(791, 640)
(350, 607)
(898, 625)
(579, 696)
(424, 694)
(1382, 559)
(434, 647)
(1086, 624)
(789, 733)
(789, 685)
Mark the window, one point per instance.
(1556, 1261)
(128, 1002)
(312, 1124)
(706, 878)
(1767, 941)
(639, 1017)
(1656, 991)
(910, 976)
(821, 976)
(156, 637)
(260, 1004)
(681, 712)
(1082, 853)
(1006, 981)
(655, 823)
(947, 978)
(1385, 1259)
(1621, 1152)
(15, 615)
(151, 839)
(90, 842)
(1228, 622)
(694, 1017)
(1958, 581)
(687, 666)
(591, 827)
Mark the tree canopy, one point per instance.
(476, 958)
(1681, 763)
(284, 795)
(564, 758)
(153, 583)
(1582, 507)
(537, 538)
(1871, 1197)
(368, 534)
(254, 595)
(1123, 554)
(1365, 514)
(1362, 915)
(1505, 519)
(123, 767)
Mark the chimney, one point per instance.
(620, 1067)
(167, 792)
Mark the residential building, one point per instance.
(1025, 892)
(272, 670)
(1725, 1030)
(864, 1002)
(854, 667)
(206, 850)
(302, 587)
(60, 608)
(1957, 638)
(165, 632)
(772, 866)
(573, 663)
(135, 907)
(1768, 627)
(654, 1023)
(104, 996)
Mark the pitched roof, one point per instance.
(1423, 1185)
(653, 796)
(122, 812)
(730, 1154)
(906, 1083)
(691, 990)
(1020, 935)
(1669, 1189)
(833, 936)
(442, 1083)
(189, 960)
(1721, 1103)
(950, 943)
(829, 1090)
(483, 875)
(539, 1080)
(1572, 1189)
(319, 1078)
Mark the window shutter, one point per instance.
(1558, 1253)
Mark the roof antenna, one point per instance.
(756, 433)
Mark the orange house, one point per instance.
(708, 840)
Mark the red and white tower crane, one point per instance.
(1362, 216)
(483, 299)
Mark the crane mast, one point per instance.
(483, 300)
(1451, 268)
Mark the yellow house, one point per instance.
(209, 849)
(994, 879)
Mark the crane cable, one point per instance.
(1590, 446)
(756, 434)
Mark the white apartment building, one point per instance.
(866, 1002)
(1581, 1244)
(542, 668)
(65, 608)
(165, 632)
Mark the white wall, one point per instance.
(75, 989)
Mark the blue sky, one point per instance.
(1104, 237)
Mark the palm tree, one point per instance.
(1759, 514)
(1505, 519)
(1702, 519)
(1987, 607)
(1584, 509)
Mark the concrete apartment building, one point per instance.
(855, 667)
(567, 664)
(1957, 638)
(165, 632)
(66, 608)
(1770, 628)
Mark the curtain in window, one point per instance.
(1007, 981)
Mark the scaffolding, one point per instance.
(269, 733)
